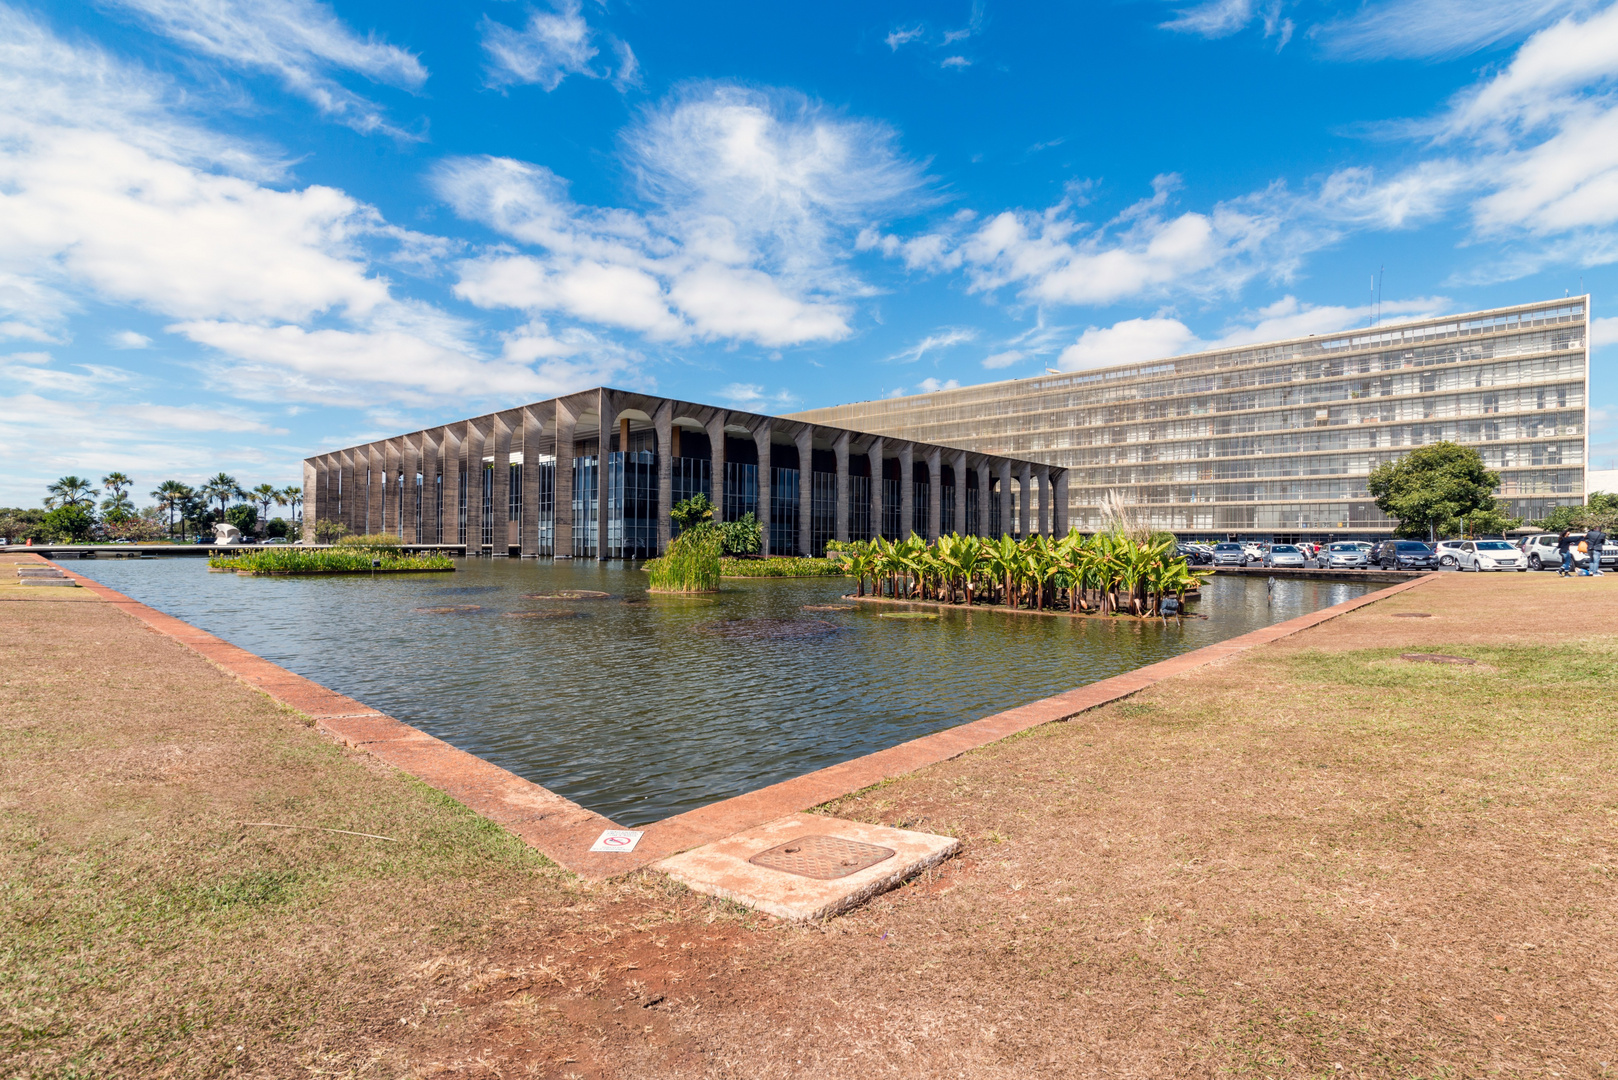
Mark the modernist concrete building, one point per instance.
(1277, 440)
(594, 475)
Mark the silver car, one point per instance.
(1284, 555)
(1229, 555)
(1346, 557)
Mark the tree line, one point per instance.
(77, 510)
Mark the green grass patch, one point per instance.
(290, 560)
(774, 568)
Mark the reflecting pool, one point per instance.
(640, 706)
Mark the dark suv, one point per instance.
(1403, 555)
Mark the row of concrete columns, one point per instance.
(360, 487)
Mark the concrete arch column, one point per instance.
(1005, 497)
(716, 461)
(983, 497)
(472, 450)
(449, 461)
(805, 440)
(935, 492)
(412, 467)
(663, 424)
(874, 454)
(564, 421)
(1046, 517)
(839, 447)
(1059, 505)
(761, 439)
(907, 490)
(533, 433)
(607, 411)
(431, 531)
(1025, 481)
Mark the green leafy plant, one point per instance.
(1432, 484)
(691, 565)
(337, 560)
(383, 542)
(69, 524)
(329, 532)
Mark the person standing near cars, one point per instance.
(1596, 538)
(1564, 548)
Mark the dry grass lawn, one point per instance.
(1314, 860)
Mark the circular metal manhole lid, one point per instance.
(824, 857)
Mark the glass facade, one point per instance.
(631, 505)
(1279, 438)
(822, 512)
(691, 477)
(783, 511)
(892, 508)
(460, 509)
(487, 538)
(586, 503)
(741, 490)
(859, 508)
(546, 539)
(920, 507)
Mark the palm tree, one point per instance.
(171, 495)
(70, 491)
(264, 495)
(223, 486)
(292, 495)
(117, 483)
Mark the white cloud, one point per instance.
(128, 339)
(755, 398)
(551, 46)
(753, 202)
(955, 62)
(298, 40)
(1437, 28)
(927, 386)
(1221, 18)
(998, 360)
(1158, 337)
(903, 36)
(1603, 332)
(956, 335)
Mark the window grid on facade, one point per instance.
(691, 477)
(741, 490)
(416, 513)
(586, 506)
(859, 508)
(545, 543)
(972, 495)
(1262, 438)
(632, 505)
(460, 508)
(783, 511)
(487, 539)
(946, 510)
(822, 512)
(399, 502)
(920, 507)
(891, 509)
(438, 509)
(514, 493)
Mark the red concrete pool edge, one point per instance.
(563, 830)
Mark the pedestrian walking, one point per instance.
(1564, 547)
(1597, 539)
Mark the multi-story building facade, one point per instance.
(595, 474)
(1277, 440)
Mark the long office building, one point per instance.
(595, 474)
(1277, 440)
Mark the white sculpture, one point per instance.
(224, 533)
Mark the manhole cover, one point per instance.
(1435, 658)
(823, 857)
(1411, 615)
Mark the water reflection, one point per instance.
(641, 706)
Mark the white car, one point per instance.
(1344, 557)
(1448, 552)
(1255, 550)
(1490, 555)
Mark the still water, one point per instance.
(640, 706)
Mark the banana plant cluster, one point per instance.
(1106, 573)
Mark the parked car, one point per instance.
(1255, 550)
(1479, 555)
(1345, 557)
(1284, 555)
(1403, 555)
(1448, 552)
(1229, 555)
(1544, 555)
(276, 540)
(1193, 555)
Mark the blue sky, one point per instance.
(237, 232)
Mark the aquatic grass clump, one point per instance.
(337, 560)
(691, 565)
(781, 567)
(385, 542)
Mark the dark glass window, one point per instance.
(692, 477)
(822, 512)
(920, 506)
(892, 508)
(946, 509)
(783, 511)
(586, 508)
(487, 531)
(859, 508)
(632, 505)
(545, 542)
(741, 490)
(460, 508)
